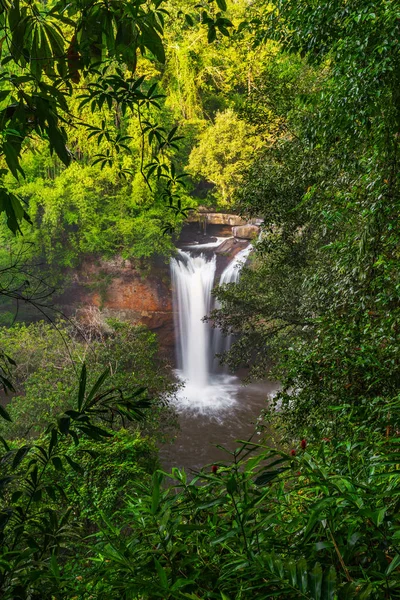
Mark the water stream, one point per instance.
(193, 280)
(221, 343)
(213, 406)
(207, 388)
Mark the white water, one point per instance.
(232, 272)
(209, 244)
(221, 342)
(193, 280)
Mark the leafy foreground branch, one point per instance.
(318, 523)
(36, 531)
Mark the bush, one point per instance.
(46, 372)
(318, 522)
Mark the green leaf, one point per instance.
(366, 592)
(56, 41)
(37, 496)
(161, 574)
(212, 33)
(63, 424)
(11, 154)
(57, 142)
(82, 387)
(269, 476)
(93, 432)
(223, 537)
(97, 385)
(292, 572)
(20, 455)
(222, 4)
(4, 414)
(393, 565)
(231, 485)
(4, 481)
(329, 585)
(155, 496)
(152, 41)
(55, 569)
(379, 516)
(323, 545)
(316, 582)
(75, 466)
(181, 583)
(215, 502)
(51, 492)
(14, 15)
(6, 446)
(57, 462)
(302, 575)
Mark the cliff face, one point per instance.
(123, 292)
(101, 289)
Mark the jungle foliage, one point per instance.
(313, 89)
(133, 90)
(328, 189)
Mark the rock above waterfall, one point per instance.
(230, 247)
(246, 232)
(215, 218)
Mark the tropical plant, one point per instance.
(35, 533)
(47, 358)
(317, 522)
(224, 151)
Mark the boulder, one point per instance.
(230, 247)
(224, 219)
(215, 218)
(246, 232)
(226, 246)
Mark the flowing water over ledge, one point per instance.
(213, 406)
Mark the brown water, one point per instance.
(201, 431)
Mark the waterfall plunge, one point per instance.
(193, 280)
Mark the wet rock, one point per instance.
(215, 218)
(230, 247)
(246, 232)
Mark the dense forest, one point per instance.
(118, 120)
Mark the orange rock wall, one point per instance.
(121, 291)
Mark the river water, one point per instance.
(214, 407)
(201, 432)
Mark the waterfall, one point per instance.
(232, 272)
(193, 279)
(221, 342)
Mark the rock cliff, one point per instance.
(123, 292)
